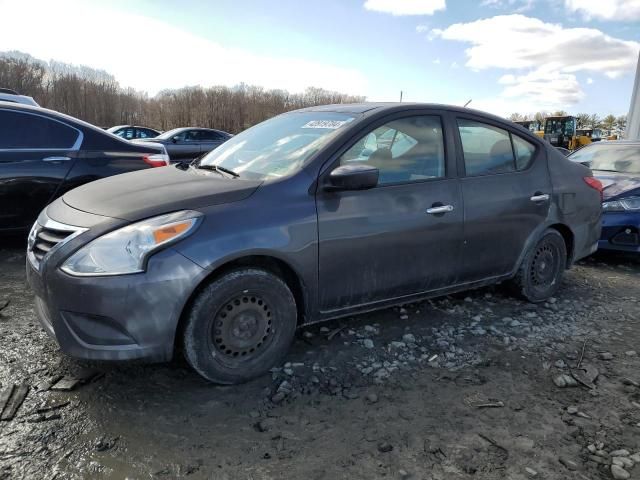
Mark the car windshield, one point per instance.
(277, 147)
(610, 157)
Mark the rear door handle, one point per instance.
(540, 197)
(56, 159)
(440, 209)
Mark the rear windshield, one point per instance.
(277, 147)
(610, 157)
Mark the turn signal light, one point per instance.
(168, 232)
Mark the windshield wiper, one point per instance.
(218, 168)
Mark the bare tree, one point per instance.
(582, 120)
(594, 120)
(608, 123)
(95, 96)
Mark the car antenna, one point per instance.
(465, 105)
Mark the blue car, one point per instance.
(617, 166)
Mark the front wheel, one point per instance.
(540, 273)
(239, 326)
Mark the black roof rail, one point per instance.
(8, 90)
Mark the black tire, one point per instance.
(239, 326)
(541, 271)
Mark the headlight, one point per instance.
(127, 249)
(622, 205)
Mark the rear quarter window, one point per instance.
(28, 131)
(524, 152)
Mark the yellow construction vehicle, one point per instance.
(534, 126)
(562, 132)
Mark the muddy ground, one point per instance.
(460, 387)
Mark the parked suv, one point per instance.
(8, 95)
(315, 214)
(44, 154)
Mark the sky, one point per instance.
(505, 56)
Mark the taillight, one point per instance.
(156, 160)
(594, 183)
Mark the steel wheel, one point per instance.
(239, 325)
(544, 265)
(242, 326)
(540, 273)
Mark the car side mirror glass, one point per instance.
(356, 176)
(175, 139)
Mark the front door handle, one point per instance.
(540, 197)
(440, 209)
(56, 159)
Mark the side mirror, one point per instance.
(175, 139)
(357, 176)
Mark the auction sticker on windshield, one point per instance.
(328, 124)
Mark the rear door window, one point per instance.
(146, 133)
(487, 149)
(209, 136)
(28, 131)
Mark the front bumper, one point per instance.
(118, 317)
(620, 232)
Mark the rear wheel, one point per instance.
(540, 274)
(239, 326)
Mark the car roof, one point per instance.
(131, 126)
(369, 108)
(59, 115)
(18, 99)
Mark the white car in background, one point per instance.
(8, 95)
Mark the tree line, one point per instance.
(609, 123)
(96, 97)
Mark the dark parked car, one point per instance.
(189, 143)
(617, 165)
(315, 214)
(129, 132)
(44, 154)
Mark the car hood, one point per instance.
(145, 193)
(618, 185)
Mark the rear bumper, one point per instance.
(620, 232)
(120, 317)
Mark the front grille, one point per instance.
(46, 239)
(47, 235)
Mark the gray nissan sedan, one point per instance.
(315, 214)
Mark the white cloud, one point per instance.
(544, 57)
(405, 7)
(422, 28)
(437, 61)
(513, 5)
(103, 38)
(622, 10)
(589, 81)
(543, 87)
